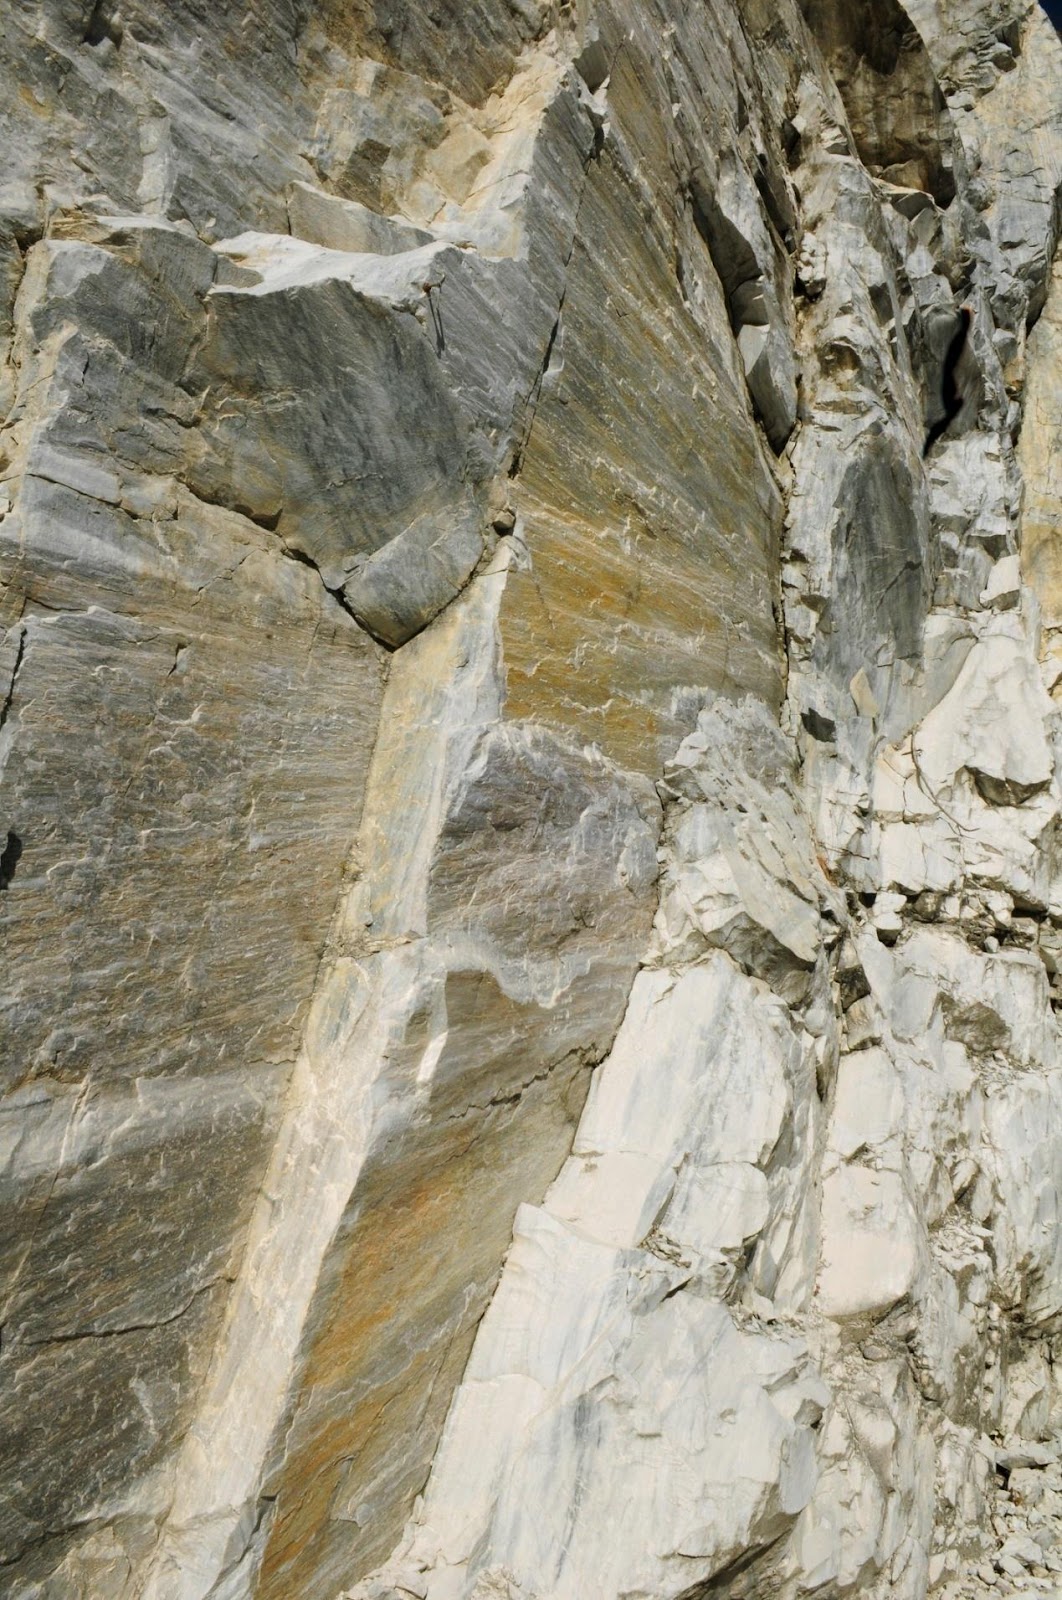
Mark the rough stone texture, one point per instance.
(529, 800)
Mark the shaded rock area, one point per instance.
(530, 893)
(896, 108)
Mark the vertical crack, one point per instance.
(5, 709)
(534, 394)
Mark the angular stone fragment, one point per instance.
(870, 1243)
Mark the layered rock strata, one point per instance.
(529, 800)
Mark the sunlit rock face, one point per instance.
(531, 911)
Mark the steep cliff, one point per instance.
(530, 799)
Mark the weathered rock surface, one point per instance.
(530, 897)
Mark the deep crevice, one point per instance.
(102, 27)
(300, 556)
(270, 521)
(9, 858)
(731, 254)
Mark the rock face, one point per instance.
(530, 893)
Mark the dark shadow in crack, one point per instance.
(9, 859)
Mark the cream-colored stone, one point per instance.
(498, 600)
(871, 1243)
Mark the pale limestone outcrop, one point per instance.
(519, 756)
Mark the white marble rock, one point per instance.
(530, 899)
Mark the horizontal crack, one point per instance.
(131, 1327)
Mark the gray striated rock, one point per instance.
(528, 801)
